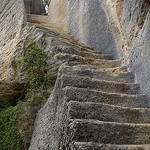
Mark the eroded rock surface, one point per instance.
(85, 21)
(12, 16)
(86, 109)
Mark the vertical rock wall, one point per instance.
(12, 19)
(86, 21)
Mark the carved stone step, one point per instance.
(108, 133)
(87, 95)
(101, 63)
(95, 55)
(80, 52)
(105, 112)
(106, 86)
(97, 146)
(117, 70)
(97, 74)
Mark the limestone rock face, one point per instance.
(12, 16)
(140, 57)
(92, 103)
(134, 14)
(86, 21)
(135, 24)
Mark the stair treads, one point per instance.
(105, 112)
(97, 146)
(86, 130)
(126, 77)
(88, 95)
(107, 86)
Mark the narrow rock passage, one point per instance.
(95, 104)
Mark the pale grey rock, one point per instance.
(99, 111)
(97, 146)
(85, 21)
(12, 19)
(68, 116)
(140, 57)
(133, 17)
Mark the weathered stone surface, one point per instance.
(98, 84)
(12, 20)
(96, 74)
(97, 146)
(134, 14)
(88, 95)
(84, 130)
(63, 121)
(85, 21)
(98, 111)
(140, 57)
(88, 85)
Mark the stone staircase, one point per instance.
(95, 105)
(106, 111)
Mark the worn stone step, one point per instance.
(95, 55)
(101, 85)
(97, 74)
(81, 52)
(87, 95)
(116, 70)
(98, 146)
(101, 63)
(87, 130)
(105, 112)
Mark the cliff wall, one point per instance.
(12, 22)
(12, 16)
(86, 21)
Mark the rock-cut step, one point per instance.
(126, 77)
(97, 146)
(114, 70)
(88, 95)
(97, 62)
(95, 55)
(105, 112)
(77, 51)
(87, 130)
(106, 86)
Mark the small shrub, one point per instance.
(59, 56)
(38, 81)
(9, 134)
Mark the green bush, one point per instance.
(16, 123)
(34, 62)
(59, 56)
(9, 134)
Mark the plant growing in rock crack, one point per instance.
(34, 62)
(59, 56)
(38, 81)
(16, 123)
